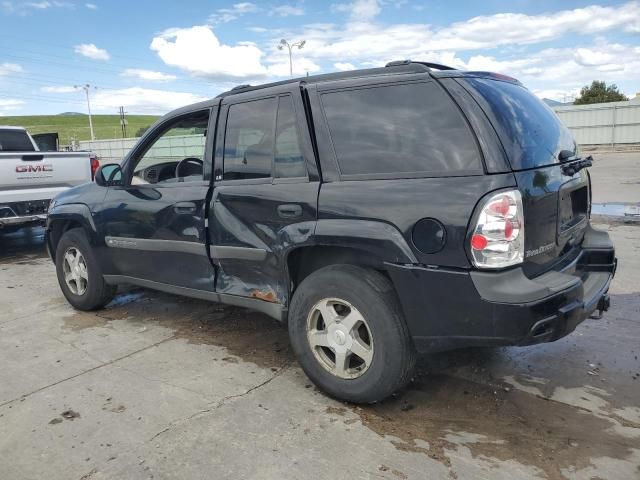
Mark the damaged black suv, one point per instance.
(381, 213)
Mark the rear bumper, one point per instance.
(447, 309)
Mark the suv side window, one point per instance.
(176, 154)
(248, 143)
(396, 129)
(289, 161)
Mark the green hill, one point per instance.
(76, 127)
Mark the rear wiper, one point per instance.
(572, 166)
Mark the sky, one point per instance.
(152, 56)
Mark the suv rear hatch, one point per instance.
(556, 200)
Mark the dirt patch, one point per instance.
(249, 335)
(493, 422)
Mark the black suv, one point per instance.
(380, 212)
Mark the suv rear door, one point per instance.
(265, 191)
(556, 205)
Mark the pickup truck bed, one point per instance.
(30, 179)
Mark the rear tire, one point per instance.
(365, 321)
(79, 273)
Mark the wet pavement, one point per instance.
(158, 386)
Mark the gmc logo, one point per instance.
(34, 168)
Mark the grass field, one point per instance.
(76, 127)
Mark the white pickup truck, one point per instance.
(29, 179)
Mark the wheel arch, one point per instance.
(63, 218)
(369, 244)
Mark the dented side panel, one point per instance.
(250, 239)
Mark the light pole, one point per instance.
(290, 46)
(86, 87)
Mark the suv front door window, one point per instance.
(176, 154)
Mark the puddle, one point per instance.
(438, 414)
(252, 336)
(630, 211)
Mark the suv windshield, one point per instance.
(529, 130)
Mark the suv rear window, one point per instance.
(391, 130)
(529, 130)
(15, 141)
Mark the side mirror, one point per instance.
(109, 175)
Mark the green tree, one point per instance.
(599, 92)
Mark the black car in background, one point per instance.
(381, 213)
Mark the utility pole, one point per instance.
(123, 122)
(290, 46)
(86, 87)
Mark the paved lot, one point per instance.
(616, 177)
(156, 386)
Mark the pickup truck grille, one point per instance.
(22, 209)
(6, 212)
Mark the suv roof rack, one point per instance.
(401, 66)
(433, 66)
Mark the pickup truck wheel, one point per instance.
(349, 335)
(79, 273)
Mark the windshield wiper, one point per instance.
(572, 166)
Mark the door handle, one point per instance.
(185, 208)
(289, 210)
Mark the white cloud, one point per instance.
(39, 5)
(343, 67)
(8, 105)
(301, 66)
(91, 6)
(9, 68)
(362, 38)
(559, 95)
(89, 50)
(59, 89)
(142, 100)
(183, 48)
(149, 75)
(24, 8)
(287, 10)
(360, 10)
(505, 41)
(224, 15)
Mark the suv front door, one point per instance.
(266, 191)
(154, 224)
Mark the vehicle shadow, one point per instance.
(26, 243)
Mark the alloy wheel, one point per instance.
(340, 338)
(76, 275)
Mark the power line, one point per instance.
(40, 98)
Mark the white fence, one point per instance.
(170, 147)
(615, 125)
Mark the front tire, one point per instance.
(349, 335)
(79, 273)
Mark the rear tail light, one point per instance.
(95, 164)
(497, 238)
